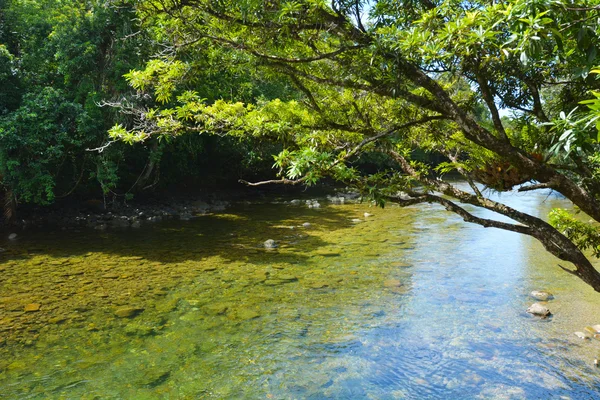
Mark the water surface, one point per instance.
(407, 303)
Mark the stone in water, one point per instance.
(32, 307)
(541, 296)
(539, 310)
(270, 244)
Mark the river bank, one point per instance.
(99, 215)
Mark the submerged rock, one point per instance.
(541, 295)
(128, 312)
(33, 307)
(12, 236)
(367, 215)
(141, 330)
(306, 225)
(582, 335)
(270, 244)
(392, 283)
(539, 310)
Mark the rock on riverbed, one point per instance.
(539, 310)
(270, 244)
(541, 295)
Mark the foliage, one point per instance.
(390, 77)
(34, 142)
(585, 235)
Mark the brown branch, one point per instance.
(488, 97)
(392, 131)
(536, 186)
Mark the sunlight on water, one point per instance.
(407, 303)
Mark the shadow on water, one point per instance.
(237, 235)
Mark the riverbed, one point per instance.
(404, 303)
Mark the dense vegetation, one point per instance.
(62, 64)
(504, 90)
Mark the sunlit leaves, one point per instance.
(585, 235)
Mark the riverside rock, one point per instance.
(541, 295)
(539, 310)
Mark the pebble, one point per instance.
(306, 224)
(541, 296)
(12, 236)
(581, 335)
(270, 244)
(392, 283)
(128, 312)
(32, 307)
(57, 320)
(538, 309)
(367, 215)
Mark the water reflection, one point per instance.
(409, 303)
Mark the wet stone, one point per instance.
(33, 307)
(216, 309)
(57, 320)
(541, 295)
(270, 244)
(392, 283)
(128, 312)
(245, 314)
(582, 335)
(140, 330)
(539, 310)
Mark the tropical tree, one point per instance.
(391, 76)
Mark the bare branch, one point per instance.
(102, 148)
(274, 181)
(536, 186)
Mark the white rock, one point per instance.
(12, 236)
(306, 224)
(541, 296)
(596, 327)
(582, 335)
(538, 309)
(367, 215)
(356, 220)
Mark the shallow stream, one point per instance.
(407, 303)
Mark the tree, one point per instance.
(390, 76)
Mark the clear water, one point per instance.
(410, 303)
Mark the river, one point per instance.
(407, 303)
